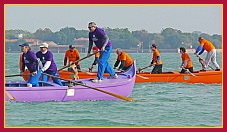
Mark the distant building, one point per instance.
(57, 48)
(33, 41)
(81, 44)
(20, 35)
(11, 40)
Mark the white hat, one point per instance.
(44, 45)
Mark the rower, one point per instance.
(123, 58)
(186, 61)
(29, 60)
(72, 55)
(49, 66)
(156, 60)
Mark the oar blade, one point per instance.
(142, 77)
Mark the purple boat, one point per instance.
(83, 89)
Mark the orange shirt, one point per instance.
(155, 55)
(126, 57)
(20, 63)
(184, 57)
(72, 55)
(207, 45)
(97, 55)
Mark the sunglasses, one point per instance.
(90, 27)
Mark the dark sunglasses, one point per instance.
(90, 27)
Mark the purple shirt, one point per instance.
(30, 60)
(98, 37)
(48, 56)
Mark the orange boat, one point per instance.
(207, 77)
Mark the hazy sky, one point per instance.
(153, 18)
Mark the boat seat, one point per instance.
(16, 85)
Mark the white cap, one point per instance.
(44, 45)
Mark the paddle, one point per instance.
(202, 61)
(140, 69)
(78, 61)
(14, 75)
(189, 72)
(142, 77)
(110, 93)
(10, 96)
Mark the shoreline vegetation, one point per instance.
(140, 41)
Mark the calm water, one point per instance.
(156, 105)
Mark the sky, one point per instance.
(153, 18)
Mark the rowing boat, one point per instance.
(206, 77)
(86, 90)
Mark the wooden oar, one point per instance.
(14, 75)
(10, 96)
(202, 62)
(110, 93)
(140, 69)
(142, 77)
(189, 72)
(78, 61)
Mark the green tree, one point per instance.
(143, 36)
(44, 35)
(172, 38)
(65, 35)
(14, 34)
(158, 39)
(121, 38)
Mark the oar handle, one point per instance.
(77, 61)
(140, 69)
(87, 56)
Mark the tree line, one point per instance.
(169, 38)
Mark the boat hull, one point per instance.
(49, 91)
(208, 77)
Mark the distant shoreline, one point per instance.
(136, 51)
